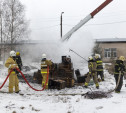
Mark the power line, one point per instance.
(112, 15)
(85, 25)
(45, 21)
(107, 23)
(59, 20)
(77, 16)
(44, 27)
(47, 18)
(99, 24)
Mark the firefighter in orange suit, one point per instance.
(44, 64)
(13, 79)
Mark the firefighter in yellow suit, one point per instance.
(92, 72)
(13, 79)
(44, 64)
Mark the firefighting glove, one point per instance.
(12, 66)
(16, 71)
(93, 71)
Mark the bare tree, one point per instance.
(1, 23)
(97, 49)
(1, 26)
(15, 24)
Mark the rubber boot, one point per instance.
(117, 91)
(86, 85)
(97, 85)
(46, 87)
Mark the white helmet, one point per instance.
(43, 55)
(90, 58)
(122, 58)
(69, 56)
(12, 53)
(97, 56)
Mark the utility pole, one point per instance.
(61, 24)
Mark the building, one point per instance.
(29, 49)
(112, 48)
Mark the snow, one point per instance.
(29, 101)
(1, 62)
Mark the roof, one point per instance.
(111, 40)
(31, 42)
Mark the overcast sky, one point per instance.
(44, 16)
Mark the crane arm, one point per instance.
(85, 20)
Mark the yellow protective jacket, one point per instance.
(99, 64)
(119, 66)
(44, 64)
(10, 64)
(92, 66)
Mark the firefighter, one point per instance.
(92, 73)
(119, 73)
(44, 64)
(99, 67)
(18, 60)
(13, 79)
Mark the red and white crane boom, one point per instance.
(85, 20)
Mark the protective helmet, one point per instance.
(69, 56)
(97, 56)
(18, 53)
(12, 53)
(90, 58)
(43, 56)
(122, 58)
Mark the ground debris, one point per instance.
(100, 107)
(68, 112)
(22, 107)
(33, 109)
(97, 95)
(25, 68)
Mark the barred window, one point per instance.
(110, 52)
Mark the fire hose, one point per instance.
(46, 80)
(86, 60)
(26, 79)
(117, 83)
(6, 79)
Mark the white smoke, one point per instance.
(81, 43)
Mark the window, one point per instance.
(110, 52)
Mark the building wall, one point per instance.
(31, 52)
(34, 51)
(121, 49)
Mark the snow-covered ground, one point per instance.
(30, 101)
